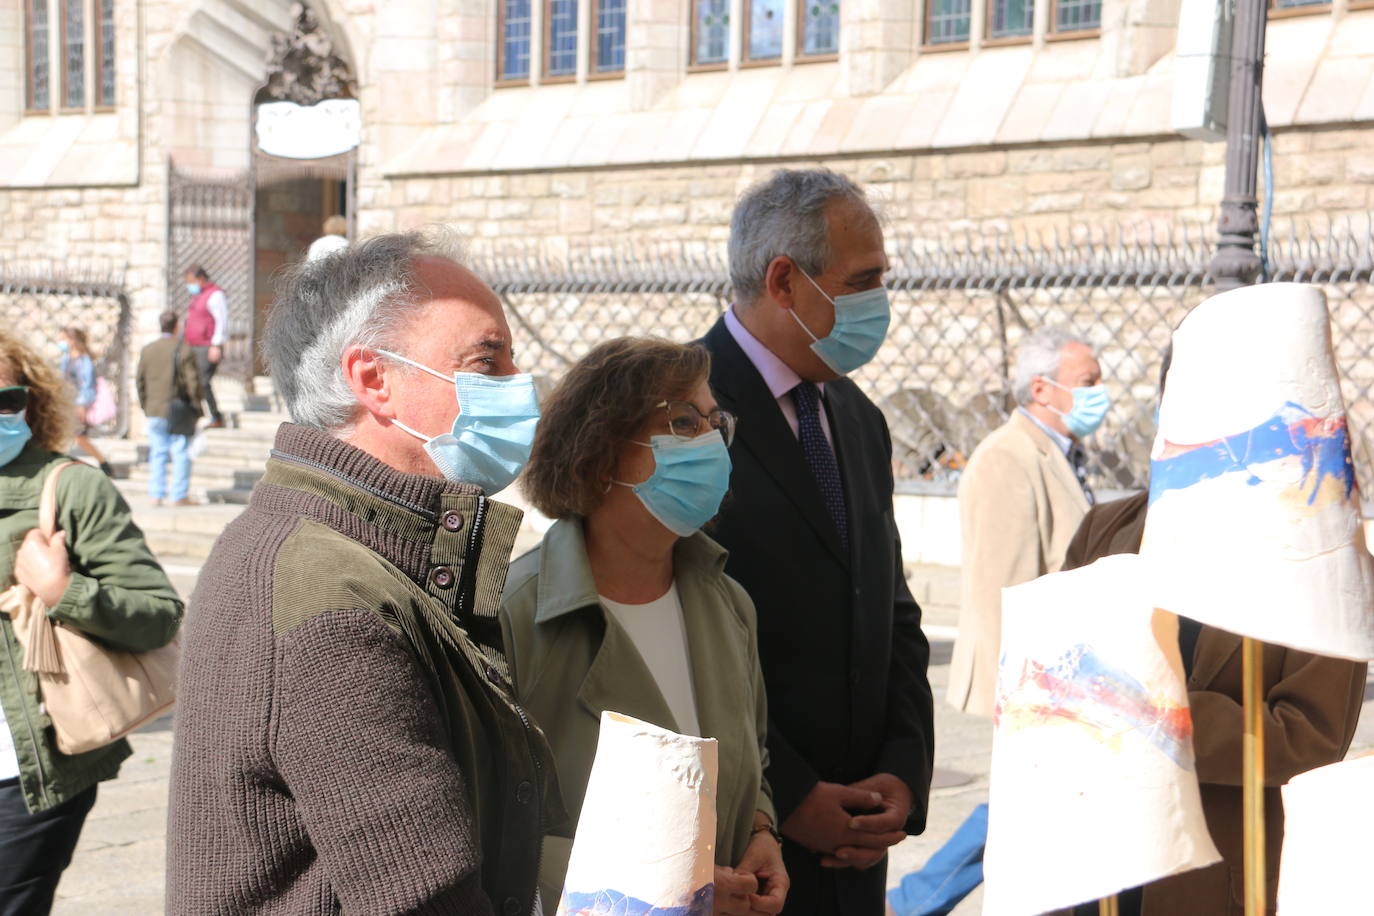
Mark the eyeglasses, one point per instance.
(684, 420)
(14, 399)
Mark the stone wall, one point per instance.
(1318, 174)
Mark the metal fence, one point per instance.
(960, 309)
(39, 298)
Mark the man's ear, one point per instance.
(778, 281)
(1037, 390)
(365, 373)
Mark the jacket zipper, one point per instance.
(28, 720)
(537, 905)
(469, 564)
(474, 536)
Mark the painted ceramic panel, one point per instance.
(645, 842)
(1093, 787)
(1328, 813)
(1254, 522)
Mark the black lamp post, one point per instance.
(1236, 263)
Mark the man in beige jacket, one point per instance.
(1021, 499)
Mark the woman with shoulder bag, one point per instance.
(95, 575)
(78, 367)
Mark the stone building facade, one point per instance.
(1041, 130)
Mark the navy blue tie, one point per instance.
(820, 456)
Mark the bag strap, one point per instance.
(178, 387)
(47, 502)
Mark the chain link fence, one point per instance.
(40, 298)
(960, 309)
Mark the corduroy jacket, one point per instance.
(346, 738)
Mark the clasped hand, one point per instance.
(42, 566)
(825, 823)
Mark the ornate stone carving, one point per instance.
(303, 67)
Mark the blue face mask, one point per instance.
(193, 289)
(63, 346)
(493, 432)
(14, 435)
(861, 321)
(1090, 406)
(690, 479)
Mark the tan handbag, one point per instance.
(94, 694)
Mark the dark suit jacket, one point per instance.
(844, 660)
(1312, 705)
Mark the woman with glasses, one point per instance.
(625, 606)
(96, 575)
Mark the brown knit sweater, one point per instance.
(341, 741)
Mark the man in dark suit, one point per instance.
(811, 535)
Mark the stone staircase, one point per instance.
(222, 476)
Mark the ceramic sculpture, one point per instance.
(1254, 522)
(645, 842)
(1328, 813)
(1093, 785)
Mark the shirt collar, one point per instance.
(1064, 442)
(777, 375)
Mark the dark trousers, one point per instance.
(35, 848)
(207, 372)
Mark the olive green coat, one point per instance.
(118, 594)
(570, 660)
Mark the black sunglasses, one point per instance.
(14, 399)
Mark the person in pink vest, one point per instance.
(207, 321)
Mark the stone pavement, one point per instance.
(118, 868)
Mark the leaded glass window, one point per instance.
(947, 21)
(74, 49)
(1010, 18)
(1077, 15)
(820, 25)
(561, 22)
(105, 75)
(39, 65)
(515, 39)
(610, 36)
(765, 29)
(712, 32)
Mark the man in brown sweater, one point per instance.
(346, 739)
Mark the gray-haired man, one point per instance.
(1021, 499)
(811, 536)
(345, 737)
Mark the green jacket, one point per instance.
(570, 660)
(118, 593)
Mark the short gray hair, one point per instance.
(359, 295)
(1039, 355)
(784, 215)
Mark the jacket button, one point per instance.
(452, 520)
(512, 907)
(441, 576)
(524, 793)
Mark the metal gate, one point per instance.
(210, 224)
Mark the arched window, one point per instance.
(69, 55)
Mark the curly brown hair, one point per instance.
(602, 401)
(51, 414)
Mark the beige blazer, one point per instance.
(1019, 504)
(570, 660)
